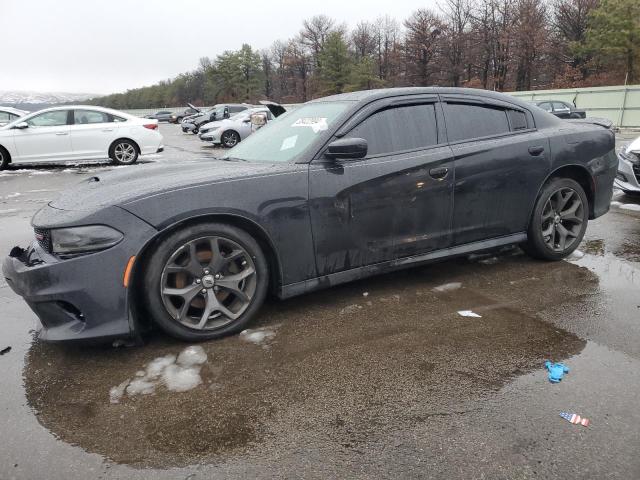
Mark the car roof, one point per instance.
(13, 110)
(366, 96)
(85, 107)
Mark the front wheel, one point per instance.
(230, 139)
(123, 152)
(205, 281)
(559, 220)
(4, 159)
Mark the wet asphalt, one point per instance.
(381, 378)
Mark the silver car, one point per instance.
(233, 130)
(628, 176)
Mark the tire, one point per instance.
(123, 152)
(229, 139)
(179, 120)
(4, 159)
(561, 210)
(179, 262)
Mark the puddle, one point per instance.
(328, 380)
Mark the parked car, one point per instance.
(338, 189)
(178, 117)
(9, 114)
(231, 131)
(561, 109)
(161, 116)
(78, 133)
(628, 176)
(218, 112)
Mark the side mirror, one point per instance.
(21, 125)
(347, 148)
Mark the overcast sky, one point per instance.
(88, 46)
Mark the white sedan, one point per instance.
(78, 133)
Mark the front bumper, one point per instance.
(188, 127)
(628, 176)
(83, 297)
(213, 136)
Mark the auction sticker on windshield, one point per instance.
(317, 124)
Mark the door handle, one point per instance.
(439, 172)
(535, 151)
(107, 129)
(62, 133)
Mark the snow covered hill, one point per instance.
(29, 100)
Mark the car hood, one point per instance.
(129, 184)
(212, 125)
(634, 146)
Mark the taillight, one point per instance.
(151, 126)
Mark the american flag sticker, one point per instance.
(575, 419)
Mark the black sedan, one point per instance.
(561, 109)
(339, 189)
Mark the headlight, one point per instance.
(83, 239)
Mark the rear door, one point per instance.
(46, 138)
(395, 202)
(500, 162)
(92, 133)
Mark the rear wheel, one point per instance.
(123, 152)
(559, 220)
(205, 281)
(230, 139)
(4, 159)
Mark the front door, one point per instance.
(395, 202)
(46, 138)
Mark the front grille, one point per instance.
(43, 237)
(636, 172)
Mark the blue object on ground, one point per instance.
(556, 371)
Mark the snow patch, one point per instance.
(349, 309)
(447, 287)
(7, 211)
(177, 374)
(630, 206)
(13, 195)
(468, 313)
(576, 255)
(257, 336)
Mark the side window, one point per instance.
(55, 118)
(115, 118)
(560, 107)
(517, 120)
(236, 109)
(5, 117)
(545, 106)
(81, 117)
(399, 129)
(467, 121)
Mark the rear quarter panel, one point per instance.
(591, 147)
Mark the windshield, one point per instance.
(289, 135)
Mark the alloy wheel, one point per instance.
(124, 152)
(562, 219)
(208, 283)
(229, 139)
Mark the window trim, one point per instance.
(73, 116)
(349, 126)
(495, 104)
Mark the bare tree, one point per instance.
(420, 46)
(457, 17)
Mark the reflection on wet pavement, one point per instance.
(327, 381)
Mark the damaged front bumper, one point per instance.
(81, 297)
